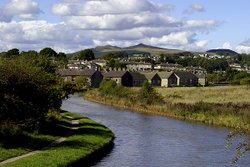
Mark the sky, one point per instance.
(72, 25)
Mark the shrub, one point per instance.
(245, 81)
(107, 87)
(148, 95)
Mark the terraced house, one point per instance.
(94, 77)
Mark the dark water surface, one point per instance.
(154, 141)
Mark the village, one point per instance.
(135, 74)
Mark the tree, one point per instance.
(82, 83)
(29, 53)
(13, 52)
(48, 52)
(115, 64)
(110, 56)
(148, 95)
(61, 56)
(86, 54)
(28, 92)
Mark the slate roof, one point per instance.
(149, 75)
(138, 76)
(75, 72)
(164, 75)
(114, 74)
(185, 74)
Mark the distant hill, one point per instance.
(136, 49)
(222, 51)
(141, 48)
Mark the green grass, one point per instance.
(89, 138)
(219, 94)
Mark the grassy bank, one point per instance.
(230, 113)
(219, 94)
(90, 139)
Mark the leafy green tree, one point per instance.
(82, 83)
(29, 53)
(148, 95)
(86, 54)
(240, 75)
(110, 56)
(28, 92)
(61, 56)
(48, 52)
(115, 64)
(13, 52)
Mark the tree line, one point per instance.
(30, 89)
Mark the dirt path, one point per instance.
(74, 124)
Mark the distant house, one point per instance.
(186, 78)
(138, 78)
(123, 78)
(101, 63)
(139, 66)
(93, 66)
(94, 77)
(202, 79)
(168, 66)
(168, 79)
(153, 78)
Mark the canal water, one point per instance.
(154, 141)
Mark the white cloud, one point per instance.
(201, 25)
(24, 9)
(102, 7)
(194, 8)
(226, 45)
(121, 21)
(244, 47)
(174, 39)
(201, 44)
(61, 9)
(90, 23)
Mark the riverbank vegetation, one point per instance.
(79, 147)
(224, 106)
(219, 106)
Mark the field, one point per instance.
(220, 94)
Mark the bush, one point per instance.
(82, 83)
(148, 95)
(107, 87)
(245, 81)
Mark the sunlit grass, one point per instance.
(90, 137)
(221, 94)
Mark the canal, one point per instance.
(154, 141)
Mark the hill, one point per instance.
(222, 51)
(136, 49)
(141, 48)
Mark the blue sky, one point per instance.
(72, 25)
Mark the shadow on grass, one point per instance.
(32, 141)
(24, 141)
(95, 157)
